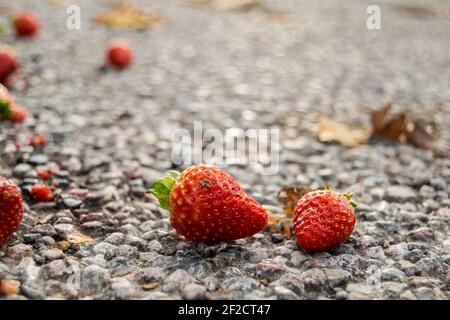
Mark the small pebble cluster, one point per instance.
(108, 137)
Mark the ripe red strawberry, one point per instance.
(119, 55)
(9, 64)
(207, 205)
(18, 114)
(11, 209)
(41, 193)
(26, 24)
(323, 219)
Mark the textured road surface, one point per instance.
(109, 133)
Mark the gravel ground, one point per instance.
(109, 134)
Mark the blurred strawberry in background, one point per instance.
(26, 24)
(119, 54)
(9, 64)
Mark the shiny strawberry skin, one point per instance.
(26, 24)
(11, 210)
(323, 219)
(208, 205)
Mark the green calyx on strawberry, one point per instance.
(207, 205)
(161, 188)
(5, 109)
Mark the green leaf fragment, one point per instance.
(348, 195)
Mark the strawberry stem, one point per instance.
(161, 188)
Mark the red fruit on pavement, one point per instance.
(18, 114)
(119, 55)
(26, 24)
(41, 193)
(9, 64)
(38, 140)
(207, 205)
(11, 209)
(323, 219)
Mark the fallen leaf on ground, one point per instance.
(279, 223)
(399, 128)
(125, 16)
(264, 282)
(393, 129)
(63, 245)
(425, 136)
(279, 16)
(150, 285)
(9, 287)
(241, 5)
(78, 238)
(331, 131)
(289, 197)
(224, 4)
(417, 11)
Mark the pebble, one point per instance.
(400, 194)
(193, 291)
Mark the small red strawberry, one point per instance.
(9, 64)
(323, 219)
(41, 193)
(119, 55)
(38, 140)
(11, 209)
(207, 205)
(18, 114)
(26, 24)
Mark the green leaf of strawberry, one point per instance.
(5, 110)
(161, 189)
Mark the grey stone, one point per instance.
(193, 291)
(123, 289)
(392, 274)
(94, 280)
(53, 254)
(400, 193)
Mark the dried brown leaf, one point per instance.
(9, 287)
(279, 223)
(125, 16)
(63, 245)
(379, 118)
(401, 129)
(78, 238)
(223, 5)
(264, 282)
(289, 197)
(150, 285)
(425, 136)
(395, 128)
(331, 131)
(417, 11)
(279, 16)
